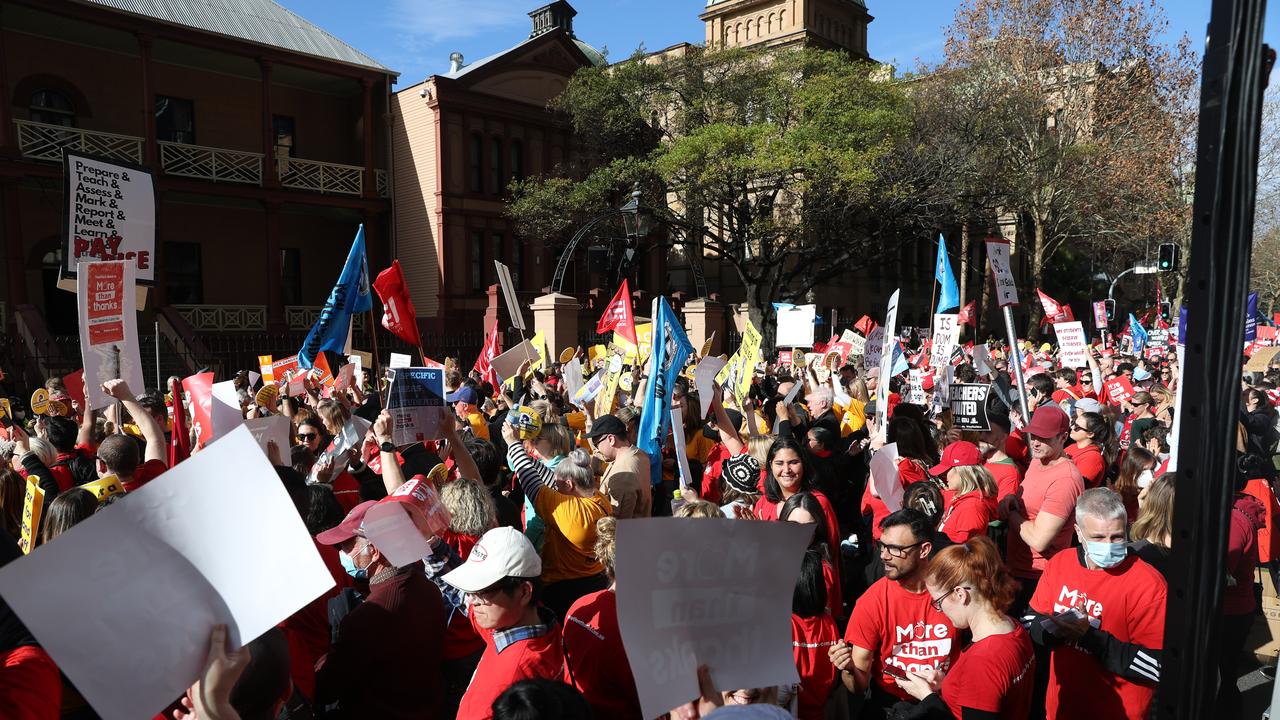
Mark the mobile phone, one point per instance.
(895, 671)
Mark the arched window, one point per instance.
(495, 167)
(517, 160)
(52, 108)
(475, 172)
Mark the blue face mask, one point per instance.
(1105, 554)
(350, 566)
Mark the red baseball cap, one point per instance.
(957, 454)
(1048, 421)
(348, 528)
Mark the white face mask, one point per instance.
(1145, 478)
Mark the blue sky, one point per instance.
(415, 37)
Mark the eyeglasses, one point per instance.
(898, 551)
(307, 436)
(486, 595)
(937, 602)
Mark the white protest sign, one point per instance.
(589, 390)
(111, 215)
(352, 435)
(874, 344)
(172, 573)
(915, 385)
(981, 359)
(682, 452)
(1176, 435)
(508, 363)
(1073, 349)
(692, 592)
(416, 404)
(572, 374)
(1001, 272)
(509, 294)
(399, 360)
(857, 343)
(346, 378)
(224, 410)
(254, 378)
(704, 379)
(108, 329)
(885, 482)
(886, 354)
(795, 326)
(946, 334)
(273, 428)
(391, 528)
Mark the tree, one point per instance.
(778, 164)
(1099, 117)
(1265, 262)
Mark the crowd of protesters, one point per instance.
(1012, 572)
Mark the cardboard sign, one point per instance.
(105, 487)
(111, 216)
(982, 360)
(108, 329)
(416, 403)
(508, 363)
(1258, 362)
(174, 570)
(1100, 315)
(509, 295)
(399, 360)
(32, 510)
(873, 345)
(1001, 272)
(1118, 390)
(946, 335)
(704, 378)
(572, 374)
(273, 428)
(345, 379)
(643, 347)
(743, 366)
(1073, 348)
(693, 592)
(886, 353)
(795, 326)
(969, 406)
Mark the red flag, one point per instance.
(75, 387)
(200, 387)
(967, 313)
(618, 317)
(179, 441)
(1053, 310)
(865, 326)
(398, 314)
(492, 347)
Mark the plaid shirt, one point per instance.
(503, 639)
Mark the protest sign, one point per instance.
(946, 334)
(743, 367)
(111, 215)
(346, 378)
(282, 370)
(399, 360)
(640, 349)
(173, 572)
(416, 402)
(265, 363)
(1100, 315)
(1159, 338)
(1176, 434)
(572, 372)
(32, 510)
(786, 357)
(795, 326)
(509, 295)
(982, 359)
(508, 363)
(1001, 272)
(694, 593)
(874, 344)
(74, 382)
(915, 388)
(401, 524)
(589, 389)
(857, 345)
(1073, 348)
(886, 354)
(1118, 390)
(704, 378)
(969, 406)
(682, 452)
(199, 389)
(885, 483)
(108, 329)
(225, 411)
(104, 487)
(273, 428)
(1259, 361)
(604, 402)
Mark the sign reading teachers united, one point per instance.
(111, 215)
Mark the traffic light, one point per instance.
(1111, 310)
(1166, 310)
(1169, 253)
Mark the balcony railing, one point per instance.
(380, 176)
(40, 141)
(321, 177)
(207, 163)
(224, 317)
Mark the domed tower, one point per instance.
(776, 23)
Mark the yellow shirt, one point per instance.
(854, 418)
(479, 425)
(568, 550)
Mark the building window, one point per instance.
(517, 160)
(175, 120)
(282, 128)
(52, 108)
(495, 167)
(475, 176)
(477, 260)
(183, 276)
(499, 253)
(291, 276)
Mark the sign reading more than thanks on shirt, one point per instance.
(108, 328)
(111, 215)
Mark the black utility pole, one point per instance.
(1235, 68)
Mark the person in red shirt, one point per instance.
(913, 466)
(594, 660)
(1100, 610)
(995, 673)
(118, 454)
(813, 633)
(804, 509)
(894, 628)
(1239, 606)
(1007, 473)
(1092, 449)
(502, 578)
(973, 502)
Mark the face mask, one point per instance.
(359, 573)
(1105, 554)
(1145, 478)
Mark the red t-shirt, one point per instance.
(1053, 489)
(900, 628)
(346, 489)
(594, 660)
(1008, 477)
(1089, 462)
(811, 638)
(1126, 601)
(995, 674)
(145, 473)
(967, 515)
(1015, 446)
(711, 473)
(765, 510)
(30, 685)
(538, 657)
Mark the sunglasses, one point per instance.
(307, 436)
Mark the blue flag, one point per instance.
(949, 296)
(1138, 333)
(1251, 318)
(899, 360)
(349, 296)
(671, 348)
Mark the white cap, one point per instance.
(501, 552)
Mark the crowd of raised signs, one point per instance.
(967, 558)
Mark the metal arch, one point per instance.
(695, 257)
(562, 265)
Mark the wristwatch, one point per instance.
(387, 447)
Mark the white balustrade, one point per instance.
(321, 177)
(208, 163)
(41, 141)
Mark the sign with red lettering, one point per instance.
(108, 328)
(111, 215)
